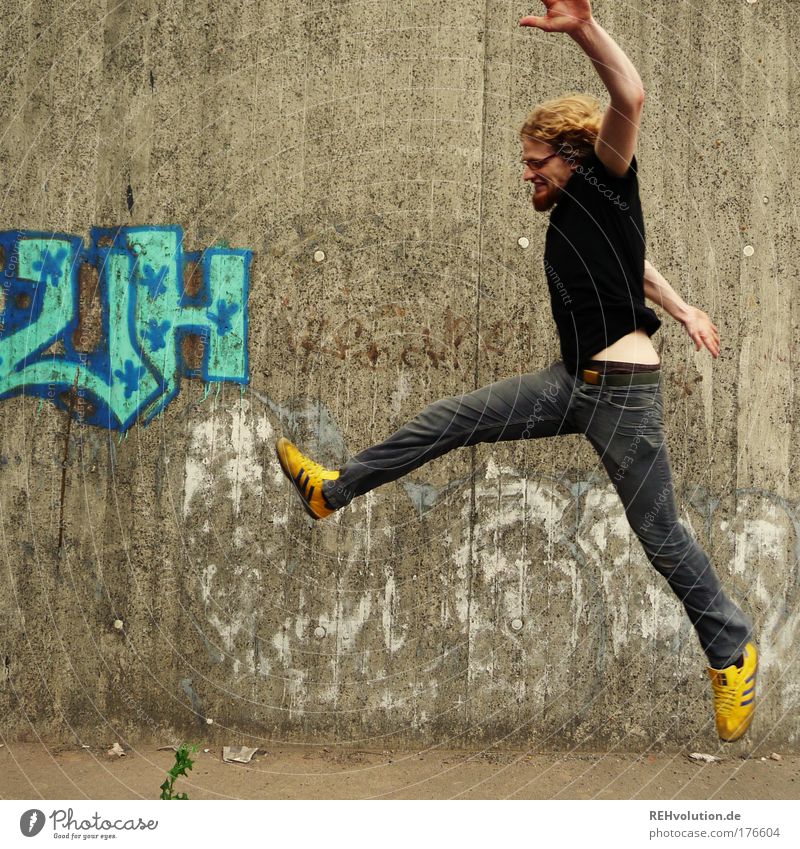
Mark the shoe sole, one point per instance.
(288, 474)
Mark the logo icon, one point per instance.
(31, 822)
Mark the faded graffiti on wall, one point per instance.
(107, 331)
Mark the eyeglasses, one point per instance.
(536, 164)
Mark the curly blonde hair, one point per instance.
(569, 123)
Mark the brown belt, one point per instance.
(597, 378)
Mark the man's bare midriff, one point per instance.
(636, 347)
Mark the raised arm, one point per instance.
(619, 130)
(699, 326)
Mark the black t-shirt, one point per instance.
(594, 262)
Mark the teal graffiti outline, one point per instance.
(136, 369)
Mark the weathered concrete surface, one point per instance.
(385, 136)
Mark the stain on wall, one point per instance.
(107, 331)
(551, 578)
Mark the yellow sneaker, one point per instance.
(307, 477)
(735, 696)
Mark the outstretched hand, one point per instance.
(562, 16)
(702, 331)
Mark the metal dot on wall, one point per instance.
(516, 624)
(765, 199)
(523, 241)
(752, 2)
(319, 256)
(118, 624)
(319, 632)
(749, 250)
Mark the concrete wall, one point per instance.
(384, 135)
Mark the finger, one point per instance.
(532, 21)
(712, 346)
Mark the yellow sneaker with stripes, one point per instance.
(307, 477)
(735, 695)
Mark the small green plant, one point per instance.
(182, 763)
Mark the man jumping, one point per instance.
(607, 386)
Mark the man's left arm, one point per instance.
(699, 326)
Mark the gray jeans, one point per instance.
(625, 427)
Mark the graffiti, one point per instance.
(148, 318)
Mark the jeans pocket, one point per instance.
(632, 398)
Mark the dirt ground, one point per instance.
(35, 771)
